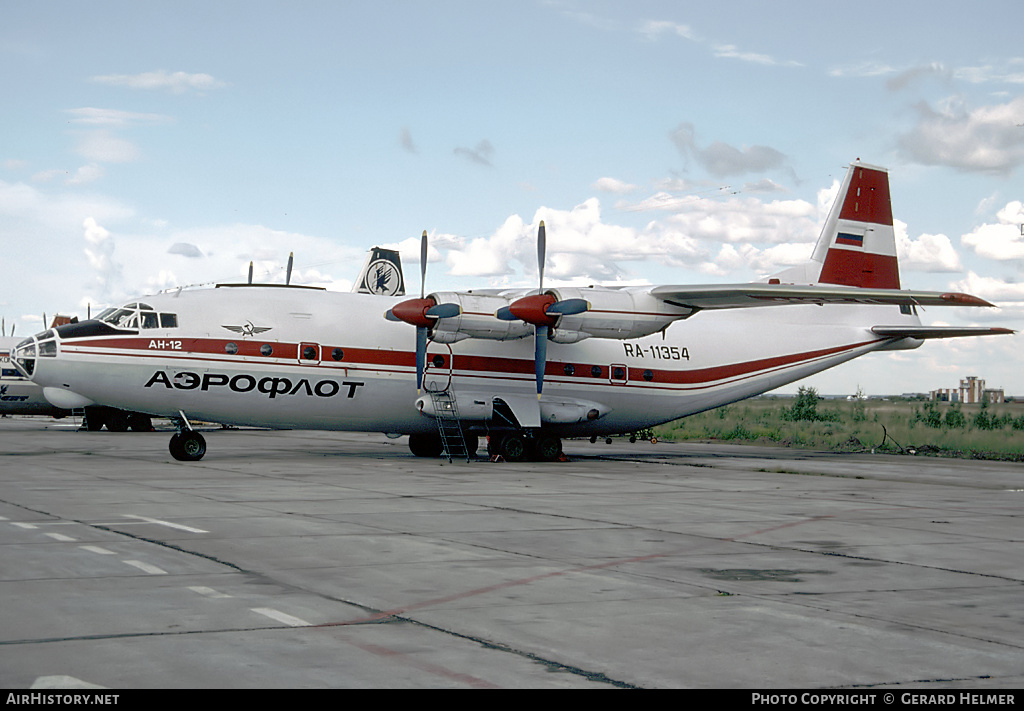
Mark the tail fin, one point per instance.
(382, 274)
(857, 246)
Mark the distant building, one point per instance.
(972, 390)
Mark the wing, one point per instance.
(739, 296)
(922, 332)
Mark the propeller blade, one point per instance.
(444, 311)
(504, 314)
(568, 307)
(250, 272)
(541, 249)
(423, 264)
(421, 356)
(540, 356)
(288, 275)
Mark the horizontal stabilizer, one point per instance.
(922, 332)
(738, 296)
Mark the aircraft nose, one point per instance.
(26, 354)
(23, 357)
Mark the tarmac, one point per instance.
(337, 560)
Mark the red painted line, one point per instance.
(475, 366)
(779, 527)
(476, 592)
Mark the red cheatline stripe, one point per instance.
(203, 350)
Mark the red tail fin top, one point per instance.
(859, 234)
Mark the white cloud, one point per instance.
(613, 185)
(867, 68)
(1007, 295)
(99, 252)
(175, 82)
(928, 253)
(983, 140)
(93, 116)
(1001, 241)
(105, 147)
(730, 51)
(739, 218)
(85, 175)
(653, 29)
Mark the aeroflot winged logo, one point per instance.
(248, 329)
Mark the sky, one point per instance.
(147, 146)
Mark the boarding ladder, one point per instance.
(446, 413)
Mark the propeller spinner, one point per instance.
(543, 311)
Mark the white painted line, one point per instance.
(63, 682)
(24, 525)
(180, 527)
(146, 567)
(207, 592)
(60, 537)
(97, 549)
(281, 617)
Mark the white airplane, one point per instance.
(19, 395)
(524, 366)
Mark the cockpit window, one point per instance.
(135, 316)
(123, 318)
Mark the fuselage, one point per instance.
(298, 358)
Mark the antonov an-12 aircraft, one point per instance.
(526, 367)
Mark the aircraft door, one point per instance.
(437, 375)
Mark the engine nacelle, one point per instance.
(616, 313)
(477, 319)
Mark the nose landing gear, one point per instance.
(186, 444)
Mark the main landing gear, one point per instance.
(186, 444)
(519, 446)
(512, 446)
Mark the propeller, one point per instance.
(288, 274)
(542, 310)
(421, 313)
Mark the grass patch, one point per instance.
(893, 425)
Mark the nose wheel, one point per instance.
(187, 446)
